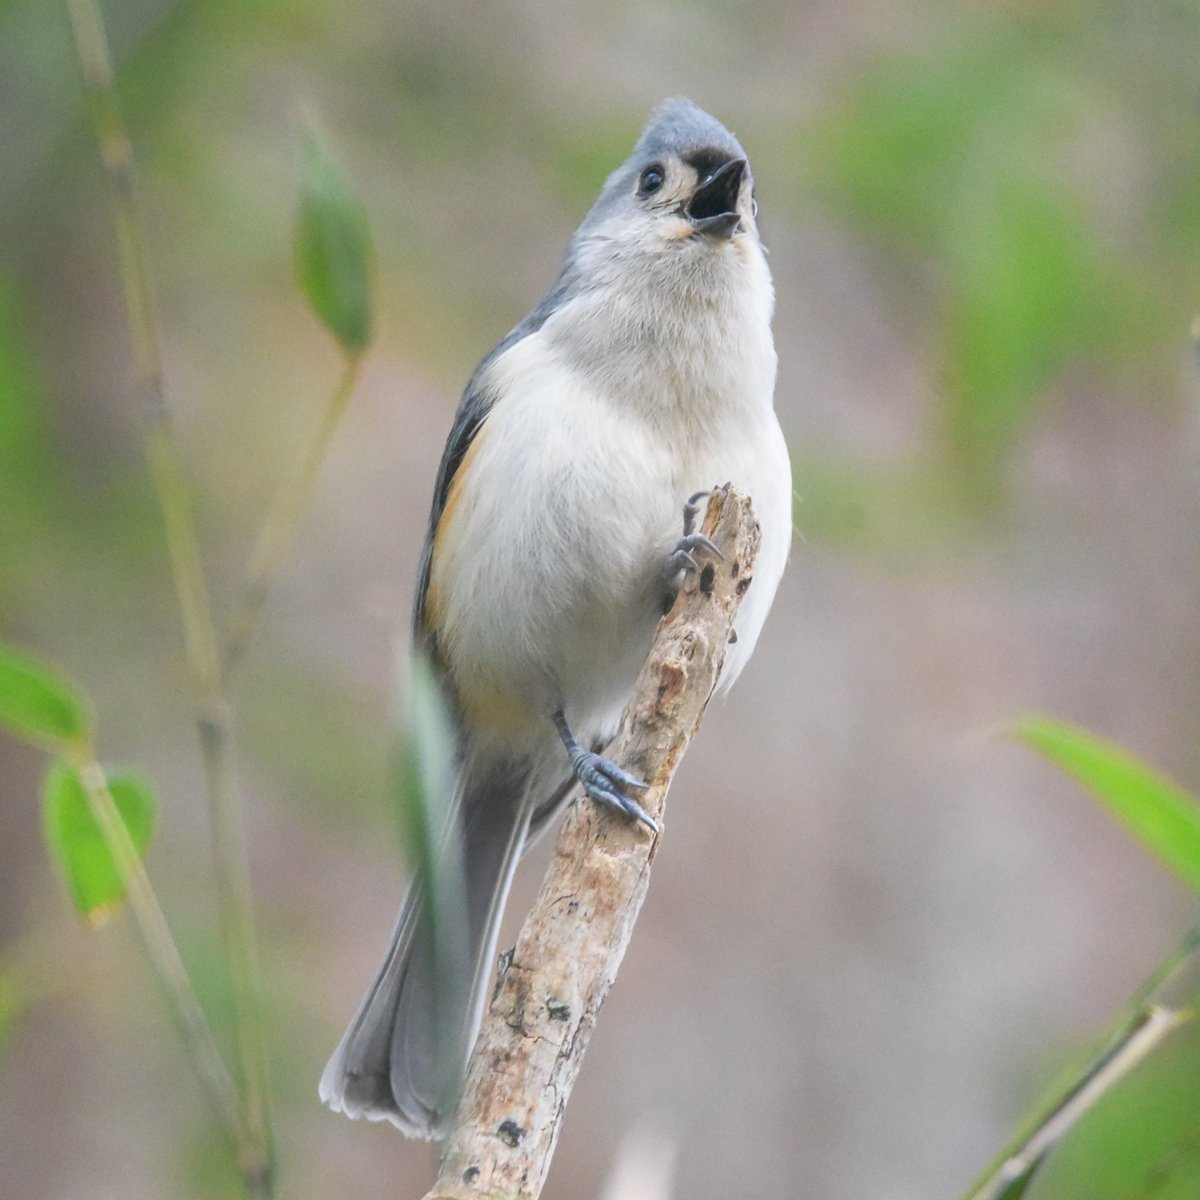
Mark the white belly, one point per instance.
(548, 593)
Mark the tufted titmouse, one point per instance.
(644, 377)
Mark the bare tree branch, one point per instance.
(537, 1028)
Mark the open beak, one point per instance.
(713, 208)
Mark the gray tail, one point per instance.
(391, 1064)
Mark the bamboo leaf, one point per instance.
(76, 843)
(38, 704)
(432, 838)
(1160, 813)
(333, 246)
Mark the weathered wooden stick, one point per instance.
(536, 1030)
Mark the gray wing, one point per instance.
(473, 409)
(477, 401)
(472, 412)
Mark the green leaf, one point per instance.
(433, 840)
(76, 843)
(333, 246)
(428, 768)
(38, 704)
(15, 999)
(1159, 812)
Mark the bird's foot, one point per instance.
(604, 781)
(683, 556)
(608, 784)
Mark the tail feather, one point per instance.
(390, 1065)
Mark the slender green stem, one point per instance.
(1149, 1015)
(199, 632)
(164, 954)
(210, 668)
(235, 904)
(165, 466)
(278, 530)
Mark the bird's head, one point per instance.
(686, 191)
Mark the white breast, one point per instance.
(547, 572)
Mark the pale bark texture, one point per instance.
(537, 1027)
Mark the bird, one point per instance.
(563, 517)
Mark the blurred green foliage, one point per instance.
(333, 246)
(29, 465)
(39, 704)
(425, 803)
(1142, 1140)
(14, 1000)
(76, 843)
(1158, 812)
(1026, 178)
(901, 510)
(1128, 1128)
(980, 168)
(341, 754)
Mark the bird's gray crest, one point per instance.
(677, 126)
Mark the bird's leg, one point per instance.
(604, 781)
(691, 510)
(682, 557)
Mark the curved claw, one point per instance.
(595, 776)
(617, 774)
(698, 541)
(680, 560)
(682, 557)
(604, 781)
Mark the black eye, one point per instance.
(651, 180)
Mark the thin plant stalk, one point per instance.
(230, 860)
(210, 668)
(235, 903)
(278, 531)
(165, 467)
(164, 955)
(1145, 1019)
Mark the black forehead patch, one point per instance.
(707, 159)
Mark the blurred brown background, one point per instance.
(873, 931)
